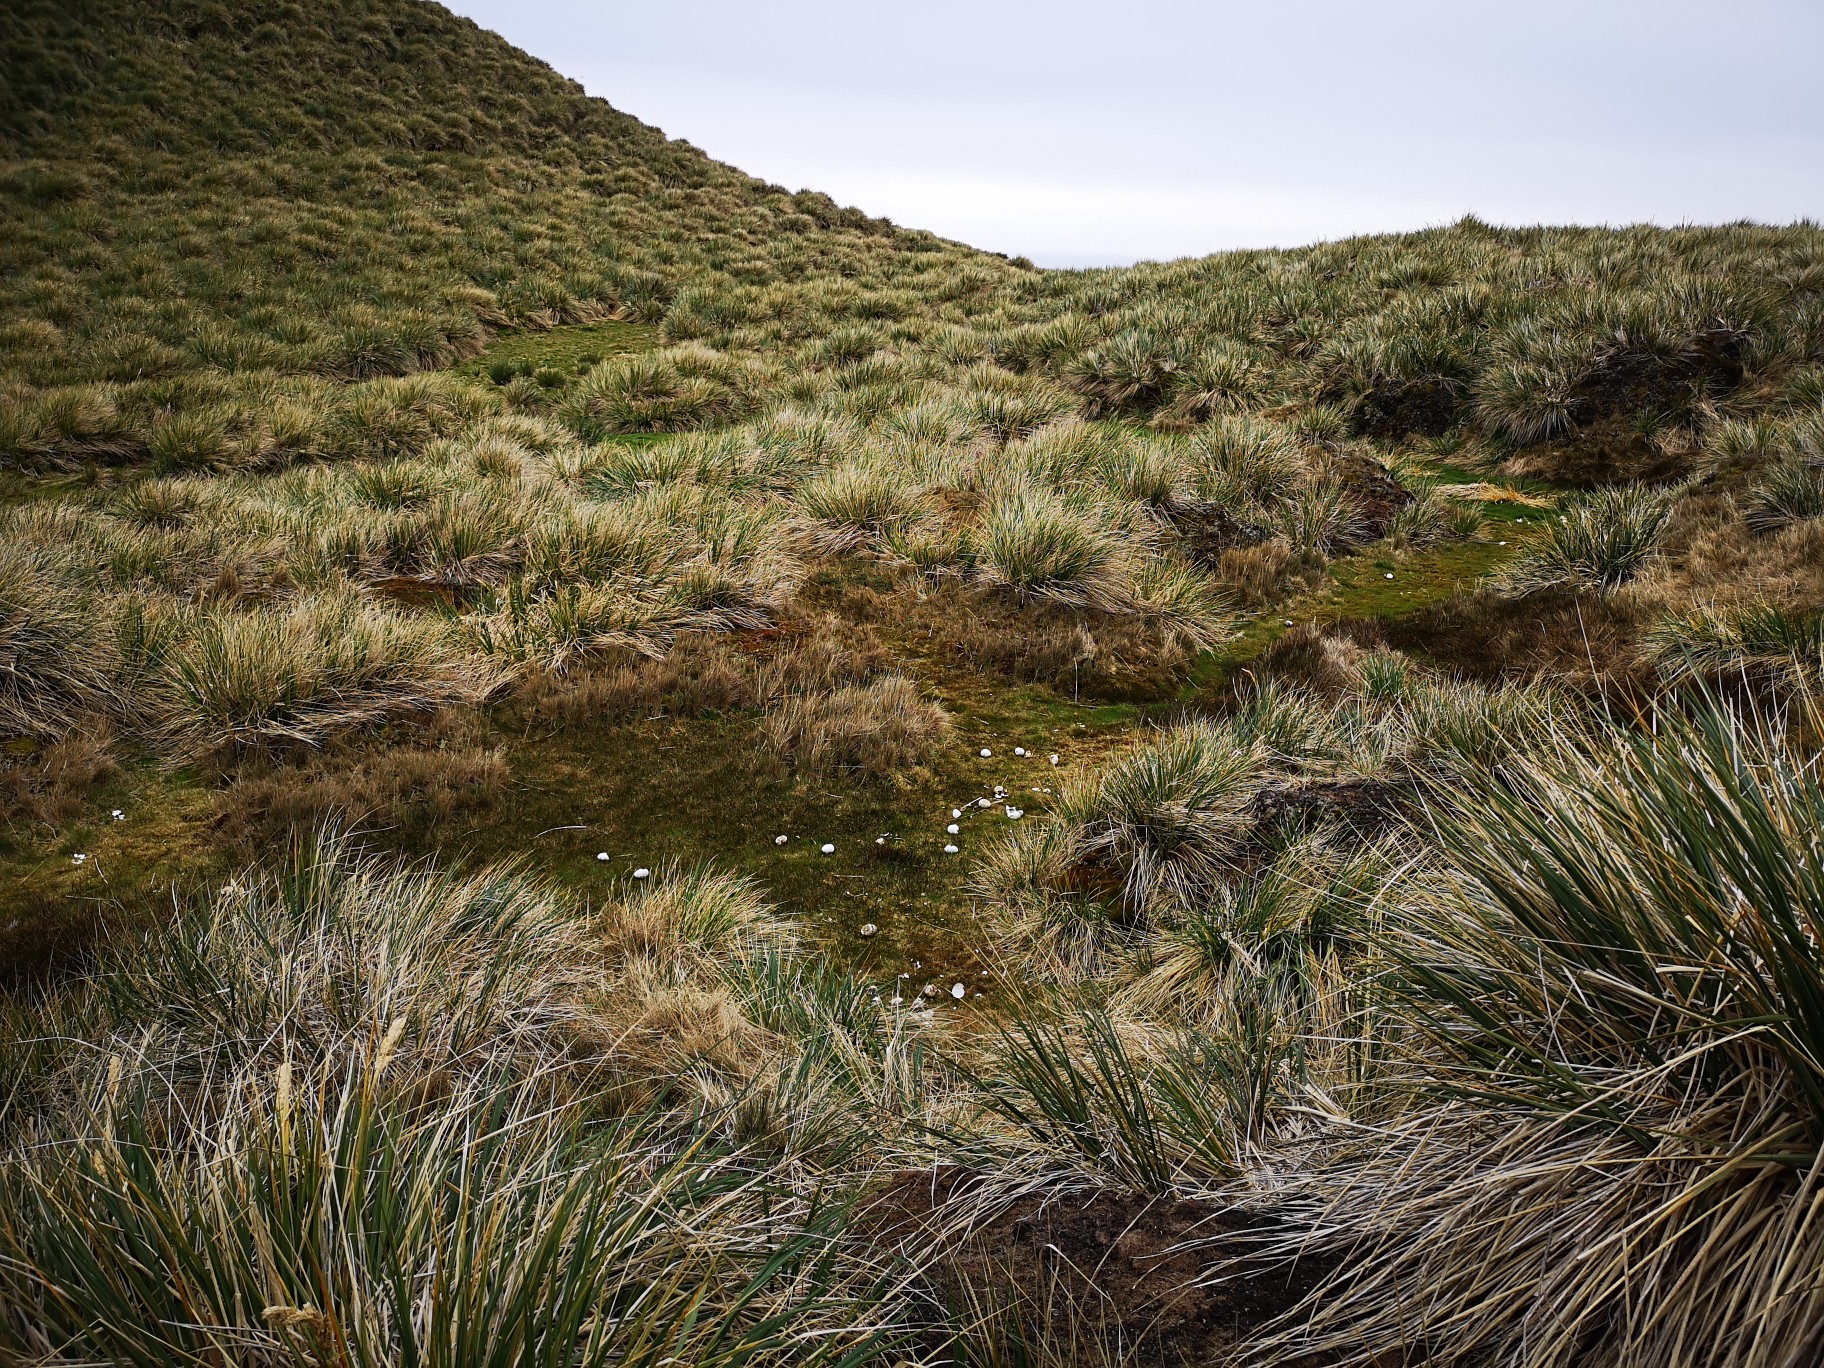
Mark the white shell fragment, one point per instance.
(957, 991)
(953, 828)
(780, 840)
(950, 850)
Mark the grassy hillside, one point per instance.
(744, 776)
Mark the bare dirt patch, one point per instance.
(1172, 1280)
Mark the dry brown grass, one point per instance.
(881, 729)
(51, 787)
(377, 788)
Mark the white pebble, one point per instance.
(1019, 750)
(957, 991)
(986, 753)
(601, 855)
(780, 840)
(1389, 574)
(953, 828)
(642, 873)
(869, 930)
(828, 849)
(1054, 759)
(956, 812)
(949, 850)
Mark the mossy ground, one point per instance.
(663, 787)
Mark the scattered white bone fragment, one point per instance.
(79, 859)
(953, 828)
(950, 850)
(602, 855)
(642, 873)
(1014, 814)
(869, 930)
(1054, 759)
(1019, 750)
(984, 802)
(880, 840)
(780, 840)
(986, 752)
(930, 990)
(119, 816)
(828, 849)
(956, 812)
(1389, 574)
(957, 991)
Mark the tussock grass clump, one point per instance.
(1284, 927)
(321, 666)
(851, 507)
(1762, 642)
(1039, 547)
(881, 728)
(58, 656)
(671, 391)
(1072, 1084)
(1789, 492)
(1621, 992)
(699, 916)
(330, 1082)
(1158, 828)
(1600, 543)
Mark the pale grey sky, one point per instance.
(1081, 134)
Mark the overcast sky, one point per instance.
(1091, 134)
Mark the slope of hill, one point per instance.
(345, 190)
(925, 764)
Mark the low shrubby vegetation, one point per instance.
(1331, 738)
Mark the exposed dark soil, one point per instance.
(1620, 403)
(1173, 1281)
(1374, 491)
(1367, 805)
(1208, 530)
(1427, 406)
(1485, 637)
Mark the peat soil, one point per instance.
(1158, 1280)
